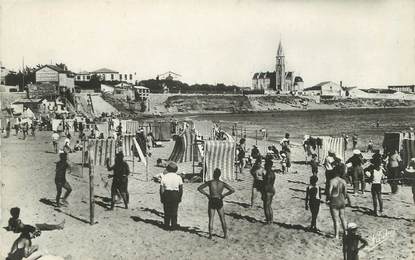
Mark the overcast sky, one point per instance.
(369, 44)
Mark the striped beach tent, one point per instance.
(132, 127)
(98, 150)
(408, 148)
(101, 149)
(336, 144)
(185, 149)
(219, 154)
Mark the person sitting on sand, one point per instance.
(22, 247)
(312, 200)
(351, 243)
(16, 225)
(268, 190)
(337, 200)
(60, 178)
(257, 172)
(215, 197)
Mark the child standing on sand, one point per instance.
(312, 199)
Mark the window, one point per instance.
(88, 77)
(120, 76)
(131, 76)
(125, 76)
(78, 77)
(112, 76)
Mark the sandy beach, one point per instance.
(27, 172)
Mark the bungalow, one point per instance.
(64, 79)
(20, 105)
(111, 75)
(325, 89)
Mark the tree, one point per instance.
(62, 66)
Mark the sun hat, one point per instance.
(171, 167)
(410, 169)
(351, 225)
(283, 155)
(357, 152)
(349, 165)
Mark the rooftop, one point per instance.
(105, 70)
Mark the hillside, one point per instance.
(199, 103)
(207, 103)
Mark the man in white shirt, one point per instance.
(171, 191)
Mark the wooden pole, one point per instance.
(83, 158)
(91, 193)
(133, 162)
(256, 137)
(146, 168)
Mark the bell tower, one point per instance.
(280, 69)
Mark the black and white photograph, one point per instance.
(195, 129)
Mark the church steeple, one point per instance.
(280, 51)
(280, 69)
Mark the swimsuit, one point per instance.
(337, 197)
(215, 203)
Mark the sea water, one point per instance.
(362, 122)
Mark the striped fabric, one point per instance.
(220, 154)
(336, 144)
(408, 148)
(126, 144)
(132, 127)
(98, 150)
(185, 149)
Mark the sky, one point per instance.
(361, 43)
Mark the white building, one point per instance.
(325, 89)
(111, 75)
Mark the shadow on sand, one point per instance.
(60, 210)
(160, 224)
(242, 204)
(370, 212)
(297, 182)
(283, 225)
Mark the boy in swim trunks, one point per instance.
(312, 199)
(215, 197)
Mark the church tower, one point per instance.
(280, 69)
